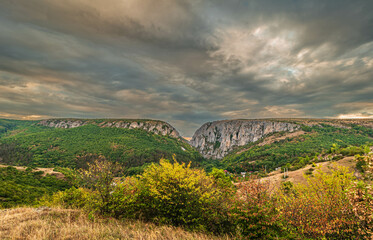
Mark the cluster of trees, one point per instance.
(329, 206)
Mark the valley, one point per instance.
(140, 170)
(233, 145)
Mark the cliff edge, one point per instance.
(216, 139)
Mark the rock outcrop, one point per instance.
(154, 126)
(216, 139)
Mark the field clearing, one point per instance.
(58, 224)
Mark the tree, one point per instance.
(99, 177)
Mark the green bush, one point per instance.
(309, 171)
(71, 198)
(129, 199)
(361, 164)
(221, 178)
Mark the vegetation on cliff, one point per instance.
(33, 145)
(295, 152)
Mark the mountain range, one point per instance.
(235, 145)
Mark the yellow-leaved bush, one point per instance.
(321, 208)
(174, 193)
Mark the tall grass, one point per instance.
(56, 224)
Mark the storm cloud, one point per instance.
(186, 62)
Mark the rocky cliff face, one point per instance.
(216, 139)
(154, 126)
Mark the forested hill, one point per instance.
(8, 125)
(38, 144)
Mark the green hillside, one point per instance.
(26, 187)
(7, 125)
(29, 144)
(296, 151)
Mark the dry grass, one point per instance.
(56, 224)
(276, 178)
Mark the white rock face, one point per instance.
(157, 127)
(216, 139)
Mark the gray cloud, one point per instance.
(186, 62)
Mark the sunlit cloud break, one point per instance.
(186, 62)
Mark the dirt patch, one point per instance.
(44, 170)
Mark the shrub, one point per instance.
(254, 211)
(99, 177)
(321, 208)
(221, 178)
(287, 186)
(361, 164)
(309, 171)
(361, 198)
(173, 193)
(128, 200)
(71, 198)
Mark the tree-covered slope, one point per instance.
(7, 125)
(35, 145)
(293, 151)
(19, 187)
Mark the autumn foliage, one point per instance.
(328, 206)
(322, 208)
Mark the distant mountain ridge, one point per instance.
(240, 145)
(154, 126)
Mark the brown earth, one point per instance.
(45, 171)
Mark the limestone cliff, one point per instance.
(216, 139)
(154, 126)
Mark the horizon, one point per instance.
(186, 62)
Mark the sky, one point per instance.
(186, 62)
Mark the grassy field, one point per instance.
(58, 224)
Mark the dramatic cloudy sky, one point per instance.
(186, 62)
